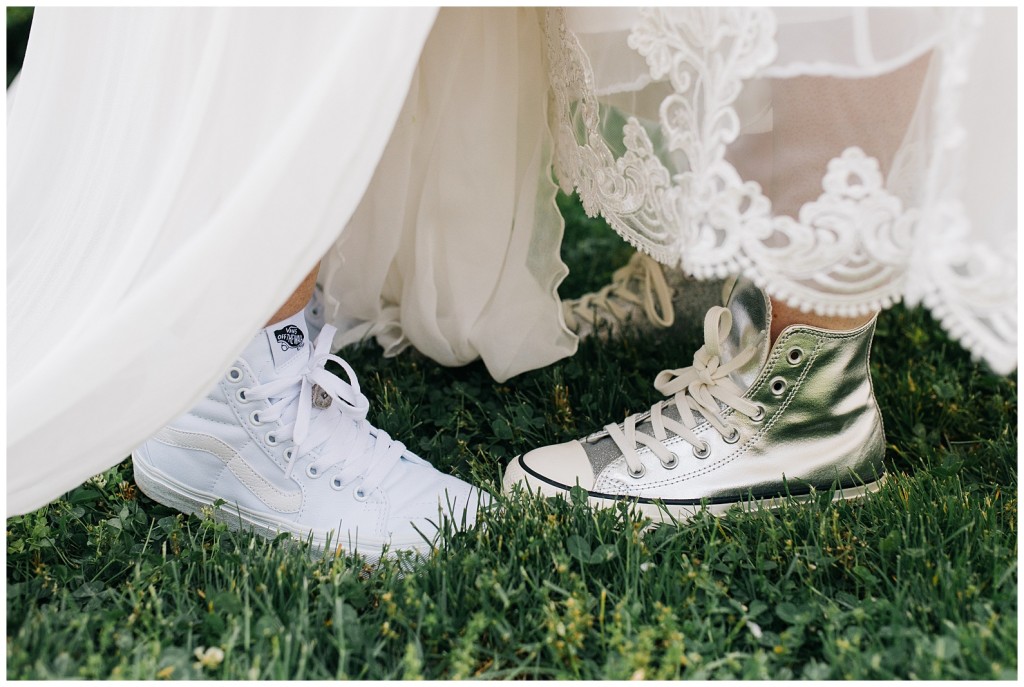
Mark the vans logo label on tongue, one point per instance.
(290, 337)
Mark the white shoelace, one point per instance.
(652, 295)
(340, 429)
(698, 389)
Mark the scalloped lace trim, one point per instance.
(854, 249)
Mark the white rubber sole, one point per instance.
(668, 512)
(164, 489)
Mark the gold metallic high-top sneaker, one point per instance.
(747, 424)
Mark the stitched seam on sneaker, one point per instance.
(244, 472)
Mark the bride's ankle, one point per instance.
(784, 315)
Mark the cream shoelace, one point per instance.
(321, 410)
(698, 388)
(639, 283)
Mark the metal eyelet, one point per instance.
(234, 374)
(778, 386)
(795, 355)
(672, 464)
(759, 415)
(703, 452)
(254, 417)
(240, 395)
(336, 484)
(289, 452)
(270, 438)
(639, 473)
(360, 495)
(733, 436)
(311, 471)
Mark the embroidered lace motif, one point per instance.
(855, 249)
(968, 285)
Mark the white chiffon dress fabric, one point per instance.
(174, 173)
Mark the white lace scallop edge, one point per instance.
(732, 234)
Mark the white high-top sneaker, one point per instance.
(315, 319)
(747, 424)
(286, 446)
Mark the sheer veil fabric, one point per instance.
(842, 158)
(174, 173)
(454, 249)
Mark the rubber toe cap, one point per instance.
(551, 469)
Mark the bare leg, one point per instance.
(784, 315)
(816, 118)
(297, 301)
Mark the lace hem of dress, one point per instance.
(854, 249)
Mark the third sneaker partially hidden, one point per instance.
(748, 423)
(639, 295)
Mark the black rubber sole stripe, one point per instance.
(710, 500)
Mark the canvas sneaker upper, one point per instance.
(286, 445)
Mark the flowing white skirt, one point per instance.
(174, 173)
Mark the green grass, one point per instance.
(19, 22)
(919, 581)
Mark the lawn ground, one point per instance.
(919, 581)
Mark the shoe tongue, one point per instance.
(289, 341)
(751, 320)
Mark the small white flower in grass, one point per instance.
(209, 658)
(755, 629)
(646, 565)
